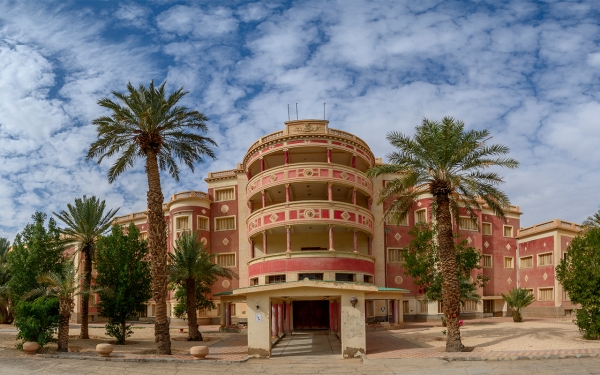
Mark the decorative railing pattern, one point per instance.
(310, 213)
(189, 194)
(312, 254)
(362, 147)
(549, 224)
(301, 172)
(221, 174)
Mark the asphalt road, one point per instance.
(21, 365)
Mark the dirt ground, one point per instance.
(141, 342)
(501, 334)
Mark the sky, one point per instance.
(528, 71)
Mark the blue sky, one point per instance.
(526, 70)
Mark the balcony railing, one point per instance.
(310, 213)
(556, 223)
(303, 172)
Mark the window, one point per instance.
(225, 223)
(225, 260)
(396, 255)
(544, 259)
(440, 307)
(202, 223)
(486, 261)
(276, 279)
(254, 281)
(526, 262)
(344, 277)
(545, 294)
(508, 262)
(405, 307)
(368, 279)
(508, 231)
(486, 228)
(403, 222)
(182, 223)
(467, 223)
(470, 305)
(143, 236)
(310, 276)
(421, 216)
(422, 306)
(224, 194)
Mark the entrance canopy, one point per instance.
(275, 309)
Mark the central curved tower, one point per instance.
(310, 205)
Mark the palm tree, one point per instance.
(149, 125)
(85, 224)
(192, 264)
(518, 299)
(65, 286)
(448, 162)
(593, 221)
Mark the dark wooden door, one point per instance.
(311, 314)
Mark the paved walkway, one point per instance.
(309, 343)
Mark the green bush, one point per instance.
(119, 331)
(37, 320)
(588, 321)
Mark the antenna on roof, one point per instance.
(324, 111)
(296, 111)
(288, 112)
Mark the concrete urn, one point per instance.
(199, 352)
(104, 349)
(30, 347)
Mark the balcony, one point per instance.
(311, 261)
(310, 213)
(310, 172)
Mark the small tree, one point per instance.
(518, 299)
(6, 313)
(192, 270)
(37, 320)
(422, 262)
(123, 280)
(579, 275)
(63, 285)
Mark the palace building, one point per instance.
(298, 222)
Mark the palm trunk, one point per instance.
(157, 241)
(450, 287)
(85, 297)
(123, 331)
(64, 311)
(190, 298)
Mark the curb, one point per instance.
(155, 360)
(520, 357)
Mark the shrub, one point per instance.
(37, 320)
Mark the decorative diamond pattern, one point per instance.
(273, 178)
(419, 204)
(397, 236)
(273, 218)
(545, 276)
(344, 175)
(486, 244)
(526, 278)
(345, 215)
(225, 241)
(544, 244)
(509, 281)
(508, 246)
(469, 240)
(203, 211)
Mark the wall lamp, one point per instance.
(353, 301)
(257, 306)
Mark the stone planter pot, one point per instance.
(104, 349)
(30, 347)
(199, 352)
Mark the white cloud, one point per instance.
(133, 15)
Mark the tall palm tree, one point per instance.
(192, 264)
(150, 125)
(592, 221)
(5, 299)
(448, 162)
(85, 224)
(64, 285)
